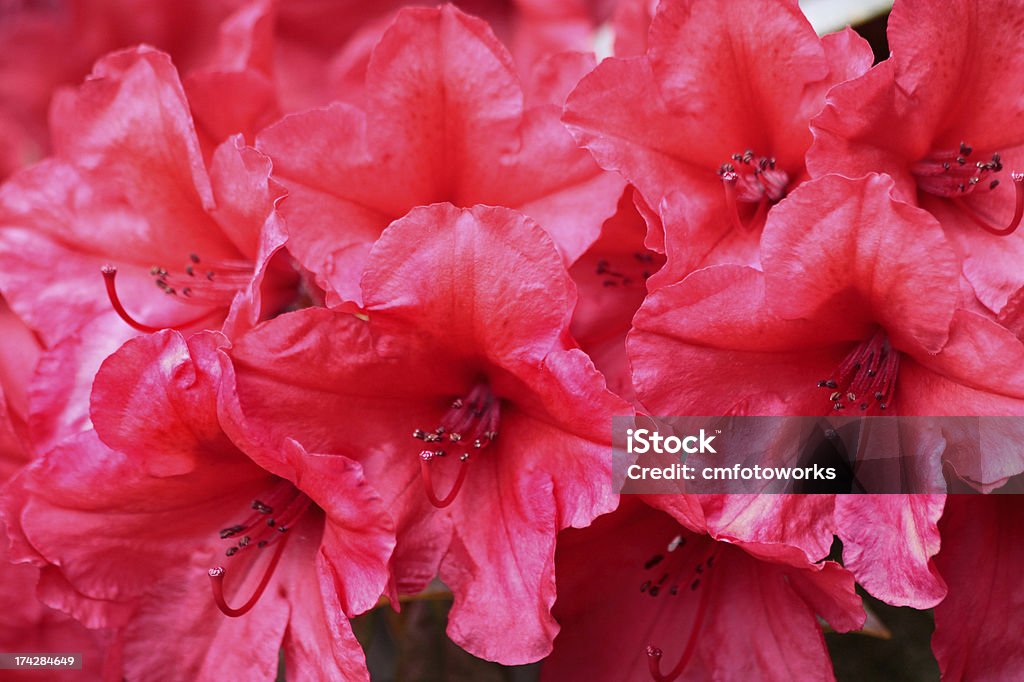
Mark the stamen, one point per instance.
(470, 424)
(866, 378)
(217, 585)
(211, 284)
(109, 274)
(949, 175)
(751, 179)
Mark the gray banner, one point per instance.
(40, 661)
(808, 455)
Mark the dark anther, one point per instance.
(653, 561)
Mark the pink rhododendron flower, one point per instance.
(459, 379)
(713, 134)
(313, 307)
(836, 325)
(322, 49)
(19, 352)
(276, 55)
(47, 45)
(128, 187)
(676, 603)
(632, 23)
(978, 626)
(25, 623)
(944, 118)
(166, 495)
(444, 121)
(612, 281)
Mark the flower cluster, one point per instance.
(320, 305)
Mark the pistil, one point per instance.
(696, 581)
(210, 285)
(267, 525)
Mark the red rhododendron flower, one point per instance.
(978, 626)
(632, 23)
(612, 281)
(128, 187)
(50, 44)
(444, 121)
(313, 307)
(678, 604)
(290, 55)
(19, 352)
(943, 116)
(322, 48)
(25, 624)
(307, 541)
(462, 382)
(713, 134)
(836, 325)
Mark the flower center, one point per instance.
(266, 526)
(677, 575)
(754, 180)
(469, 425)
(211, 285)
(951, 174)
(866, 378)
(629, 274)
